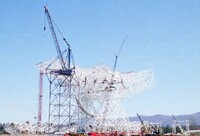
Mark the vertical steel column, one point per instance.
(40, 97)
(49, 117)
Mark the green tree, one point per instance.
(167, 129)
(2, 129)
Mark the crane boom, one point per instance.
(177, 123)
(53, 33)
(142, 122)
(117, 55)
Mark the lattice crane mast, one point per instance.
(65, 70)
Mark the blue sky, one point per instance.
(163, 36)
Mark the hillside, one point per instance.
(167, 120)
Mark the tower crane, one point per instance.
(62, 107)
(65, 70)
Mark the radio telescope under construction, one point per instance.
(92, 94)
(98, 94)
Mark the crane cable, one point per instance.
(64, 40)
(61, 33)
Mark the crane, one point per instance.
(177, 124)
(61, 104)
(117, 55)
(143, 125)
(115, 64)
(145, 129)
(65, 70)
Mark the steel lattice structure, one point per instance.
(93, 93)
(97, 95)
(63, 89)
(63, 110)
(101, 95)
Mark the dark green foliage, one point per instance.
(2, 130)
(178, 130)
(167, 129)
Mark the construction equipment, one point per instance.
(63, 110)
(148, 129)
(156, 130)
(65, 70)
(117, 55)
(144, 128)
(177, 124)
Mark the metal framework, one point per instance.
(106, 89)
(63, 110)
(97, 95)
(40, 97)
(94, 94)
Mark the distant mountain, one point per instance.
(168, 120)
